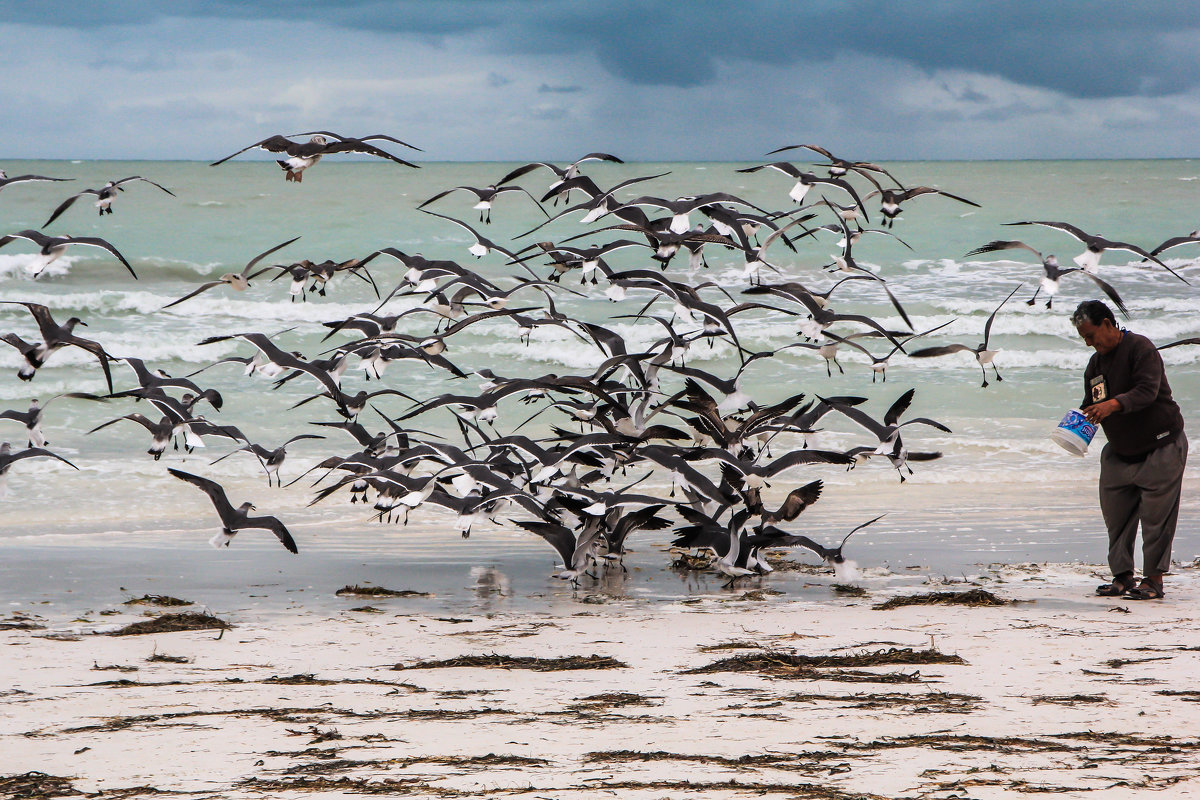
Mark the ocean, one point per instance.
(1001, 492)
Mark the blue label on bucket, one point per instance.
(1077, 423)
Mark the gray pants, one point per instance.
(1146, 493)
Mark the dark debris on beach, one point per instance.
(163, 600)
(778, 664)
(378, 591)
(168, 623)
(971, 597)
(497, 661)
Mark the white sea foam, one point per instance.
(16, 267)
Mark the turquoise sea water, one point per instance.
(1014, 494)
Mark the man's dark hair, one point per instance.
(1092, 311)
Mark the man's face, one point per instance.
(1103, 337)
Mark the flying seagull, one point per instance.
(238, 280)
(54, 246)
(982, 354)
(1051, 272)
(7, 457)
(302, 155)
(7, 181)
(54, 337)
(234, 519)
(1095, 246)
(104, 196)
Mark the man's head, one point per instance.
(1097, 326)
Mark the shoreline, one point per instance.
(1060, 692)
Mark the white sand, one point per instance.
(1001, 723)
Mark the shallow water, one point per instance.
(1002, 491)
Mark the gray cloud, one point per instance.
(1081, 48)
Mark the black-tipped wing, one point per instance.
(38, 452)
(250, 265)
(272, 144)
(987, 326)
(276, 527)
(204, 287)
(997, 245)
(211, 488)
(359, 146)
(63, 207)
(371, 138)
(898, 408)
(1190, 340)
(94, 241)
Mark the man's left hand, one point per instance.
(1098, 412)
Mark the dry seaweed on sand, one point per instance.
(912, 703)
(971, 597)
(398, 787)
(36, 785)
(167, 623)
(157, 657)
(784, 664)
(720, 646)
(599, 702)
(495, 660)
(1070, 699)
(769, 760)
(1117, 663)
(378, 591)
(157, 600)
(20, 622)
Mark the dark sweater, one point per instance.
(1134, 375)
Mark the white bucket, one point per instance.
(1074, 433)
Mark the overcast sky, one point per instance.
(679, 80)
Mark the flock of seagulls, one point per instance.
(581, 483)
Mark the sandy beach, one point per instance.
(747, 694)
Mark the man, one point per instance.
(1141, 467)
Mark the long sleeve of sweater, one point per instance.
(1145, 376)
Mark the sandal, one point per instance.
(1145, 591)
(1120, 585)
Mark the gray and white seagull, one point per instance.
(302, 155)
(104, 196)
(235, 519)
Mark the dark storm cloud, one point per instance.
(1084, 49)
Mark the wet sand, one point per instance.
(748, 694)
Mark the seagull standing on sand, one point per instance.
(234, 519)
